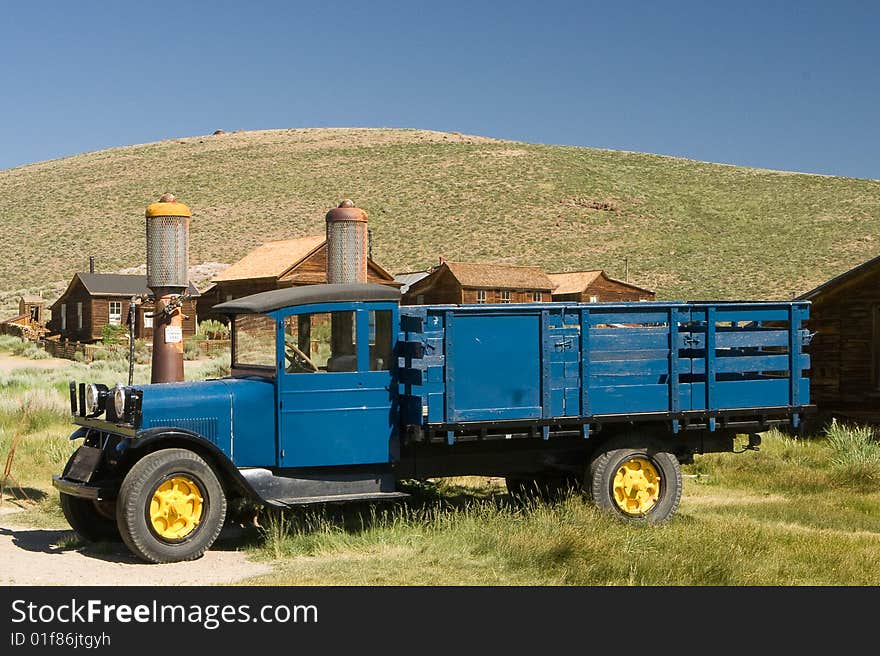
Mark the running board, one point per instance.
(304, 487)
(337, 498)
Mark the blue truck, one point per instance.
(337, 393)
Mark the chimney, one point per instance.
(167, 278)
(347, 244)
(91, 263)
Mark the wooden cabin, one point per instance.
(93, 300)
(845, 349)
(595, 287)
(32, 308)
(275, 265)
(462, 282)
(29, 323)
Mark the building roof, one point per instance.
(33, 298)
(115, 284)
(407, 279)
(837, 281)
(574, 282)
(499, 276)
(118, 284)
(272, 259)
(307, 294)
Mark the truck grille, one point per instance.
(206, 427)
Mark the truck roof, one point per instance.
(307, 295)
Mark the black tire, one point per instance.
(546, 487)
(88, 519)
(138, 490)
(608, 462)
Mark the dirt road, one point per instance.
(28, 556)
(12, 362)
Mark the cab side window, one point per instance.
(320, 342)
(380, 340)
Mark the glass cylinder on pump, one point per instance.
(168, 279)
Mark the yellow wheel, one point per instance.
(636, 486)
(176, 508)
(636, 478)
(171, 506)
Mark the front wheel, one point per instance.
(640, 484)
(171, 507)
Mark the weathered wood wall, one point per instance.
(607, 291)
(845, 350)
(77, 294)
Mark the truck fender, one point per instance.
(166, 438)
(78, 433)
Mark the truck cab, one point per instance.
(329, 354)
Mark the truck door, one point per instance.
(335, 392)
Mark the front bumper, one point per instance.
(103, 491)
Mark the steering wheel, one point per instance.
(294, 354)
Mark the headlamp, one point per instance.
(119, 400)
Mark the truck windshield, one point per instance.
(254, 341)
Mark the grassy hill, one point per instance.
(688, 229)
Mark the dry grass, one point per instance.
(689, 229)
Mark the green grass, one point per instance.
(778, 516)
(688, 229)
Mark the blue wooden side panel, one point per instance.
(495, 367)
(541, 361)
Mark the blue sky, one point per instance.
(783, 85)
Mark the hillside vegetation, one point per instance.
(689, 229)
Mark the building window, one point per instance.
(148, 320)
(64, 316)
(505, 297)
(79, 315)
(481, 296)
(537, 297)
(594, 299)
(115, 313)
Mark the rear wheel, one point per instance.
(640, 484)
(92, 520)
(171, 507)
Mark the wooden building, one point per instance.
(32, 308)
(93, 300)
(30, 322)
(462, 282)
(275, 265)
(595, 287)
(845, 348)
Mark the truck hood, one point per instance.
(206, 408)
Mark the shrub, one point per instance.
(26, 349)
(9, 342)
(856, 455)
(191, 349)
(114, 334)
(211, 329)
